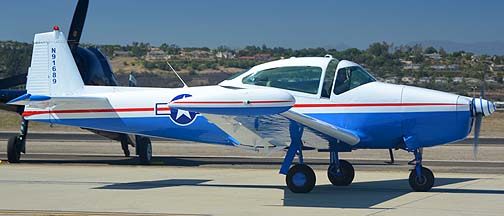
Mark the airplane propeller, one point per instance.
(77, 25)
(477, 126)
(480, 108)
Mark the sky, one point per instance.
(295, 24)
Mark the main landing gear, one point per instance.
(17, 144)
(143, 149)
(300, 178)
(340, 172)
(421, 179)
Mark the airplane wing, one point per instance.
(265, 131)
(269, 131)
(262, 119)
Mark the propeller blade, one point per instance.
(77, 25)
(477, 127)
(483, 88)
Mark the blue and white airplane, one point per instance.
(294, 104)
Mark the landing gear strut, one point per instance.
(421, 179)
(17, 144)
(143, 149)
(300, 178)
(391, 154)
(124, 145)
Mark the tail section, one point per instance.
(53, 71)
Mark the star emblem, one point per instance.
(181, 113)
(182, 117)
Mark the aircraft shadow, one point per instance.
(164, 161)
(369, 194)
(357, 195)
(171, 161)
(153, 184)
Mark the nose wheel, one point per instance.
(422, 182)
(421, 179)
(300, 178)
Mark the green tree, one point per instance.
(430, 50)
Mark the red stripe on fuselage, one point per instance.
(30, 113)
(376, 105)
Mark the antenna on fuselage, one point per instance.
(180, 78)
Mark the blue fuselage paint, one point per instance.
(162, 126)
(386, 130)
(377, 130)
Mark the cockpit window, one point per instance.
(297, 78)
(351, 77)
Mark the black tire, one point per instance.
(300, 178)
(13, 150)
(347, 174)
(424, 183)
(144, 150)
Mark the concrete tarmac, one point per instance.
(42, 189)
(93, 178)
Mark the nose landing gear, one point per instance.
(421, 179)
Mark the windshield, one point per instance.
(297, 78)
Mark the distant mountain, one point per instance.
(339, 46)
(489, 48)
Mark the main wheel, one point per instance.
(144, 150)
(13, 150)
(344, 177)
(421, 183)
(300, 178)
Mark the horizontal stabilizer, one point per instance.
(27, 98)
(44, 102)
